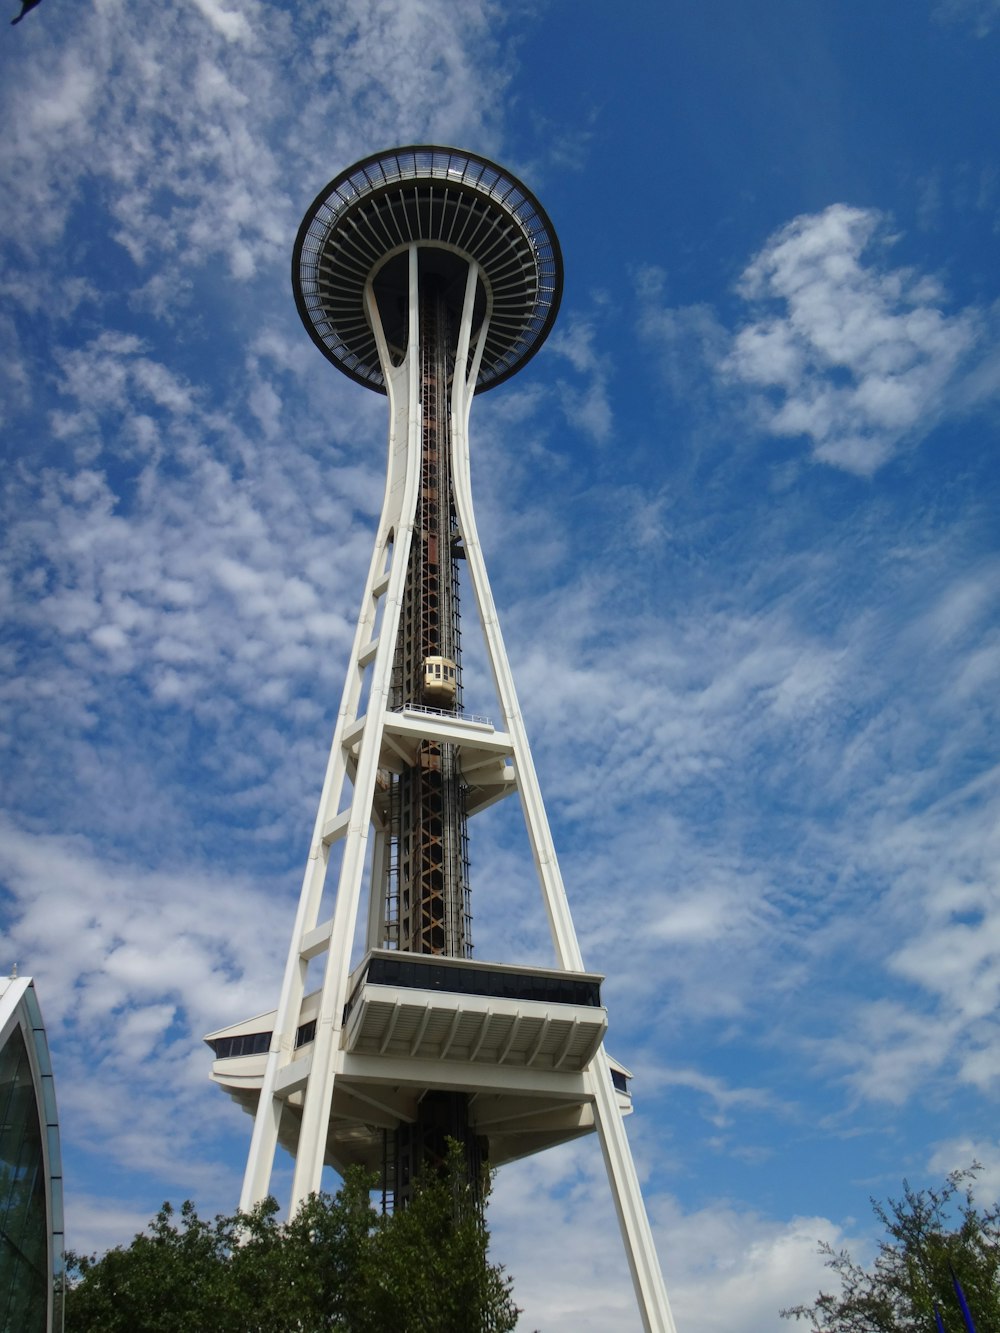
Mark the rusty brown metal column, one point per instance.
(429, 863)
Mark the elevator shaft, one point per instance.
(428, 908)
(428, 822)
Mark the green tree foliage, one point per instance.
(336, 1265)
(929, 1235)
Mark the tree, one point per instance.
(932, 1235)
(428, 1267)
(336, 1265)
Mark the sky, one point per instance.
(740, 515)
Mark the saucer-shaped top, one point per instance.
(444, 199)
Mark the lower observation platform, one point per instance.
(517, 1040)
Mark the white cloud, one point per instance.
(855, 357)
(95, 1224)
(589, 408)
(229, 22)
(153, 580)
(723, 1097)
(133, 966)
(727, 1270)
(186, 533)
(980, 15)
(201, 151)
(688, 339)
(960, 1153)
(745, 734)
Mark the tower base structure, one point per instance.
(427, 274)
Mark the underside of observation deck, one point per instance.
(451, 202)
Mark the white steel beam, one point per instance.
(633, 1221)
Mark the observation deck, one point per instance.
(519, 1040)
(457, 207)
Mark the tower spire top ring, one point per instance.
(441, 199)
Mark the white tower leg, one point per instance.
(636, 1234)
(356, 747)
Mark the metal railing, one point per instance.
(479, 718)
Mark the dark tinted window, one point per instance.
(414, 972)
(23, 1220)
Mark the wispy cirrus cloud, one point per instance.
(201, 153)
(941, 913)
(773, 701)
(760, 703)
(135, 964)
(587, 409)
(980, 15)
(181, 565)
(158, 518)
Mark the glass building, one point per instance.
(31, 1216)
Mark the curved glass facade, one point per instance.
(31, 1225)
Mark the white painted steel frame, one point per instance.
(357, 745)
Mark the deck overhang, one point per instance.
(516, 1040)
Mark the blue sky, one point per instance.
(740, 515)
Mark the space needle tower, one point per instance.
(428, 275)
